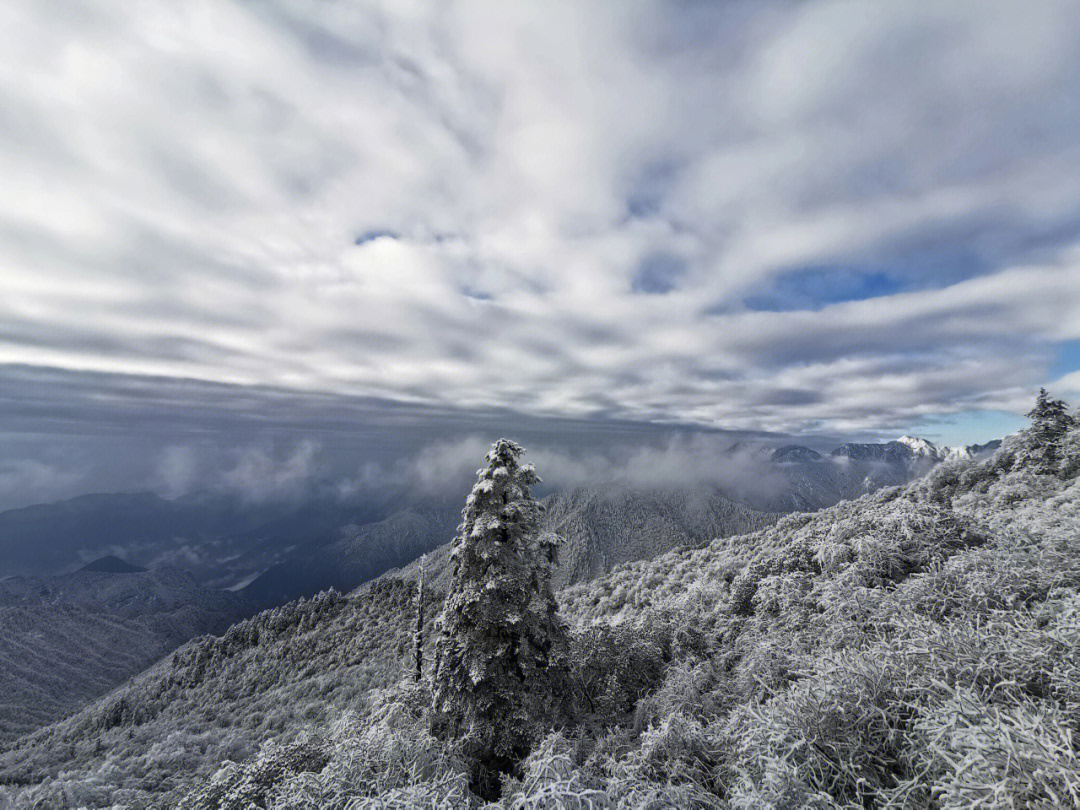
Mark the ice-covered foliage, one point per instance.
(500, 652)
(916, 648)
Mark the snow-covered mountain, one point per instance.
(68, 638)
(728, 651)
(600, 527)
(814, 481)
(923, 448)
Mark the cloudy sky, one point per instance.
(227, 221)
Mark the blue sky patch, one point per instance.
(968, 427)
(375, 233)
(817, 287)
(1067, 360)
(475, 294)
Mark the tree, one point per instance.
(499, 677)
(418, 632)
(1050, 421)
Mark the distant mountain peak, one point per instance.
(925, 448)
(922, 447)
(111, 564)
(795, 453)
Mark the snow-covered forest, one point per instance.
(916, 647)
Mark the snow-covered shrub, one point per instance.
(972, 753)
(687, 689)
(243, 786)
(552, 781)
(673, 765)
(612, 666)
(831, 734)
(389, 748)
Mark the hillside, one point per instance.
(602, 526)
(915, 647)
(69, 638)
(144, 528)
(358, 554)
(111, 564)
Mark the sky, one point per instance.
(235, 231)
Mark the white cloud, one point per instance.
(261, 475)
(25, 481)
(177, 470)
(185, 186)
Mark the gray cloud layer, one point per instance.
(67, 433)
(563, 209)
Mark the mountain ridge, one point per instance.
(69, 638)
(701, 627)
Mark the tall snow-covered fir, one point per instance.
(500, 656)
(1050, 422)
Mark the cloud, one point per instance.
(662, 460)
(260, 475)
(820, 218)
(177, 470)
(24, 481)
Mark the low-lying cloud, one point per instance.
(445, 470)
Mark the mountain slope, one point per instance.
(602, 526)
(258, 681)
(110, 564)
(217, 698)
(69, 638)
(703, 673)
(359, 553)
(51, 538)
(812, 481)
(919, 647)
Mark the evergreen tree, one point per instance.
(1050, 421)
(500, 655)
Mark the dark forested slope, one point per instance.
(67, 639)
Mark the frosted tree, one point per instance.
(1050, 421)
(418, 632)
(500, 655)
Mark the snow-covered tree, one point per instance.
(418, 632)
(1050, 422)
(499, 678)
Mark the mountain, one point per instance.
(274, 552)
(220, 539)
(600, 527)
(811, 481)
(922, 448)
(794, 453)
(197, 531)
(119, 617)
(925, 638)
(110, 564)
(359, 553)
(218, 698)
(69, 638)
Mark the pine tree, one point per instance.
(500, 658)
(1050, 421)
